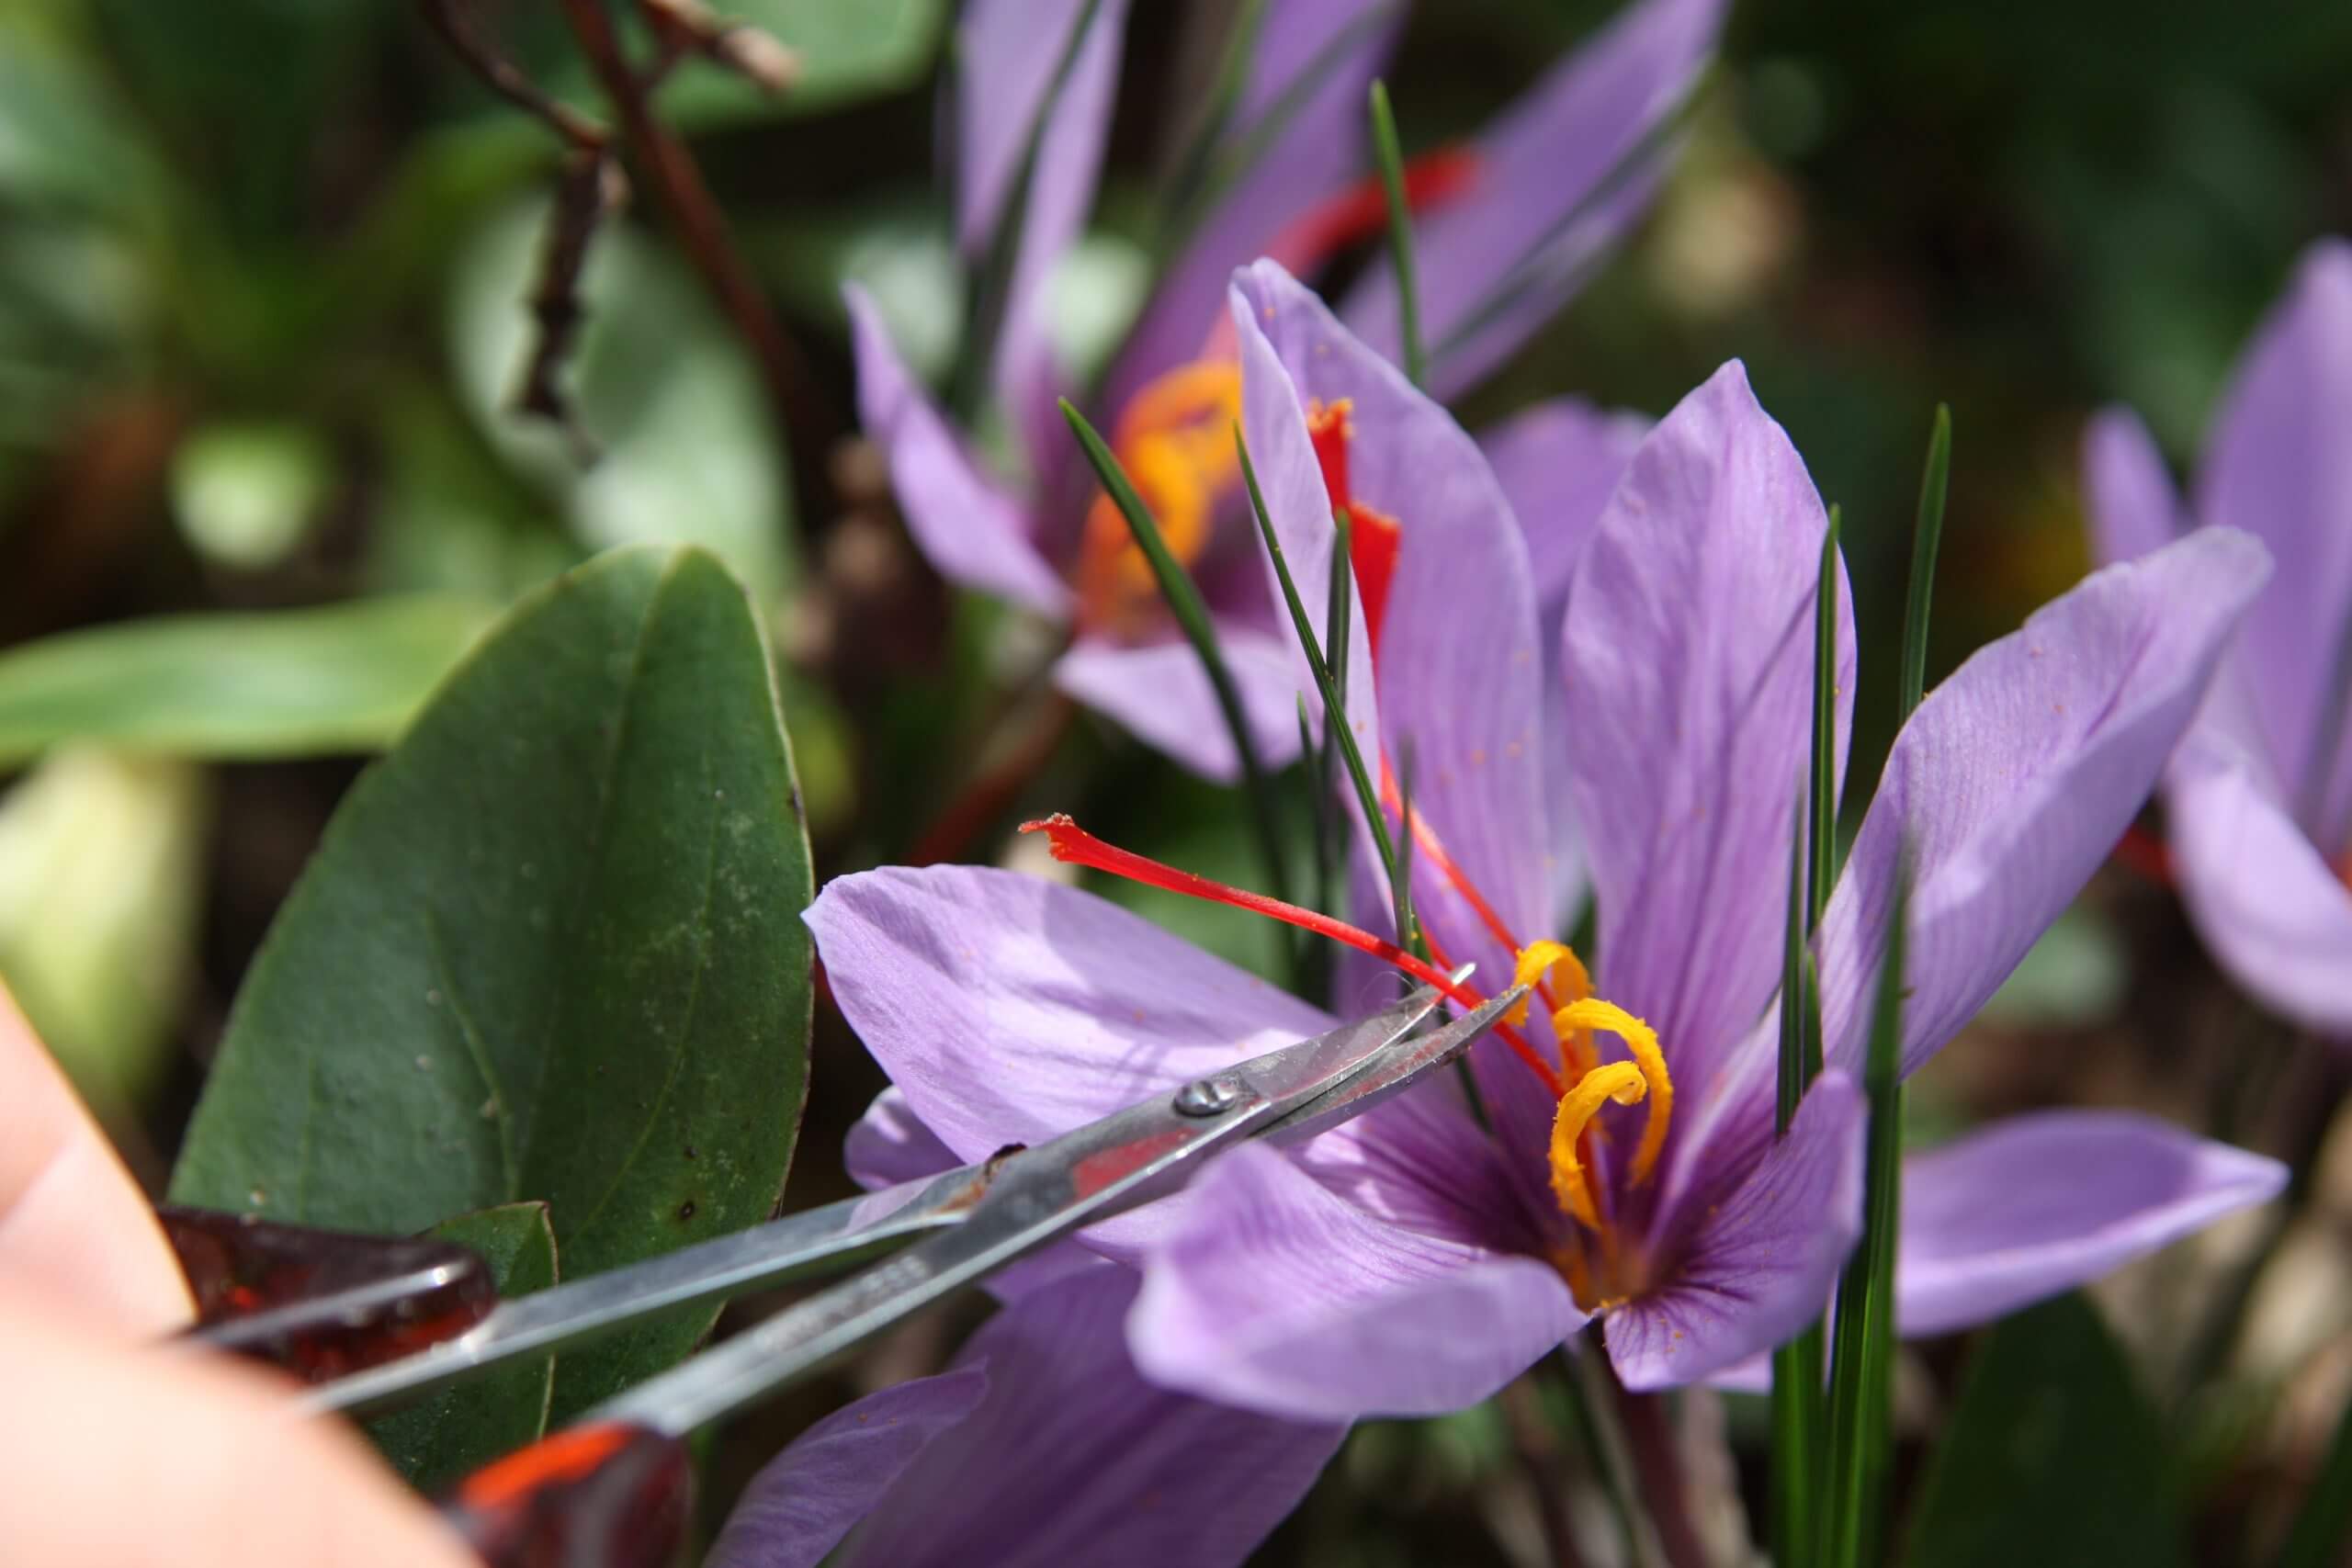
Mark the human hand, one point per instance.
(118, 1450)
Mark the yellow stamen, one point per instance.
(1620, 1081)
(1589, 1013)
(1174, 438)
(1566, 972)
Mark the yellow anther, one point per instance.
(1206, 392)
(1566, 971)
(1175, 440)
(1592, 1013)
(1620, 1081)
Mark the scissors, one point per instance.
(613, 1490)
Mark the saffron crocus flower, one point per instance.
(1039, 1446)
(2258, 801)
(1509, 224)
(1412, 1262)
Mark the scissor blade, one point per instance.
(836, 1234)
(1391, 1072)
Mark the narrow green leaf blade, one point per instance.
(436, 1442)
(1822, 787)
(1184, 602)
(1335, 711)
(1400, 230)
(1864, 1349)
(550, 948)
(1796, 1366)
(1935, 486)
(2051, 1458)
(237, 687)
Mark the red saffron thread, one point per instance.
(1075, 846)
(1362, 211)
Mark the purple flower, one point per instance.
(2258, 799)
(1498, 258)
(1040, 1445)
(1410, 1262)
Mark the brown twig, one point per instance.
(590, 188)
(453, 21)
(677, 184)
(688, 27)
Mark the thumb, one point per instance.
(122, 1456)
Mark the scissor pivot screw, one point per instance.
(1208, 1096)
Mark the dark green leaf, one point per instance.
(277, 684)
(435, 1442)
(1821, 786)
(2051, 1459)
(550, 949)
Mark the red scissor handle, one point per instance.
(605, 1495)
(321, 1304)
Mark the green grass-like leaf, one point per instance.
(1821, 788)
(1335, 712)
(1391, 157)
(1862, 1358)
(2324, 1522)
(1935, 486)
(1183, 598)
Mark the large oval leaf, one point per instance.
(550, 949)
(436, 1442)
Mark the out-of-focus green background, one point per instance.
(261, 272)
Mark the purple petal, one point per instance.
(890, 1144)
(2040, 1203)
(1687, 657)
(1542, 159)
(1275, 423)
(2275, 915)
(1061, 190)
(2278, 466)
(1276, 1295)
(1461, 688)
(1009, 1009)
(1318, 149)
(1006, 51)
(2134, 509)
(971, 531)
(1074, 1457)
(2016, 775)
(1761, 1263)
(1558, 463)
(1160, 692)
(802, 1501)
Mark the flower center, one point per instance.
(1175, 440)
(1553, 968)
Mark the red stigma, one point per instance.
(1372, 536)
(1074, 845)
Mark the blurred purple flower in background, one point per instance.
(1510, 228)
(2258, 801)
